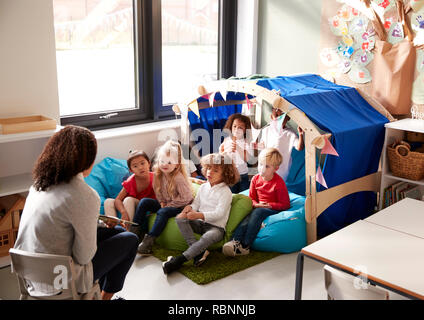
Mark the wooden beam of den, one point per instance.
(326, 198)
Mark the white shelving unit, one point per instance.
(397, 131)
(22, 182)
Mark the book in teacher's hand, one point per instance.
(116, 220)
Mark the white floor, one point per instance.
(271, 280)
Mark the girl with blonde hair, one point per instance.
(173, 192)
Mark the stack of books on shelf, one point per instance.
(399, 191)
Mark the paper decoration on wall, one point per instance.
(338, 26)
(328, 148)
(420, 61)
(359, 74)
(418, 90)
(358, 25)
(395, 34)
(320, 178)
(345, 65)
(329, 57)
(417, 24)
(356, 40)
(362, 58)
(417, 5)
(385, 4)
(194, 106)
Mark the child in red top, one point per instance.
(269, 196)
(136, 187)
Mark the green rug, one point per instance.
(217, 265)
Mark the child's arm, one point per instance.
(253, 194)
(301, 143)
(119, 205)
(283, 199)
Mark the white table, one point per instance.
(405, 216)
(392, 259)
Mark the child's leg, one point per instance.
(244, 182)
(109, 206)
(162, 216)
(130, 204)
(145, 206)
(253, 225)
(210, 236)
(235, 188)
(187, 228)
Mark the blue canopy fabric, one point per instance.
(357, 134)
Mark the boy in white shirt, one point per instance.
(209, 212)
(284, 139)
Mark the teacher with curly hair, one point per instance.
(61, 216)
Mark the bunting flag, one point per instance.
(280, 120)
(320, 178)
(194, 106)
(224, 94)
(212, 98)
(255, 133)
(328, 148)
(248, 102)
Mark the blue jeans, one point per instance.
(147, 206)
(116, 250)
(248, 229)
(242, 185)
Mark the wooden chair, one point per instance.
(341, 286)
(48, 277)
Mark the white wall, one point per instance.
(28, 81)
(288, 36)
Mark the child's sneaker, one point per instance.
(234, 248)
(173, 264)
(200, 258)
(145, 247)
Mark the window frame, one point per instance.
(148, 67)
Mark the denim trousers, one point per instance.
(242, 185)
(147, 206)
(116, 250)
(248, 229)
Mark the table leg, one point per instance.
(299, 277)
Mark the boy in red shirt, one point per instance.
(269, 196)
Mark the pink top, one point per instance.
(184, 192)
(131, 186)
(274, 192)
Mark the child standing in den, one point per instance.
(237, 146)
(139, 185)
(209, 212)
(269, 196)
(173, 192)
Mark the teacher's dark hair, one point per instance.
(67, 153)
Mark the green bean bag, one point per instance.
(171, 237)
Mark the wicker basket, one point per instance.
(404, 163)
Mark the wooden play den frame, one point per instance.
(316, 202)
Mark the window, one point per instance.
(123, 62)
